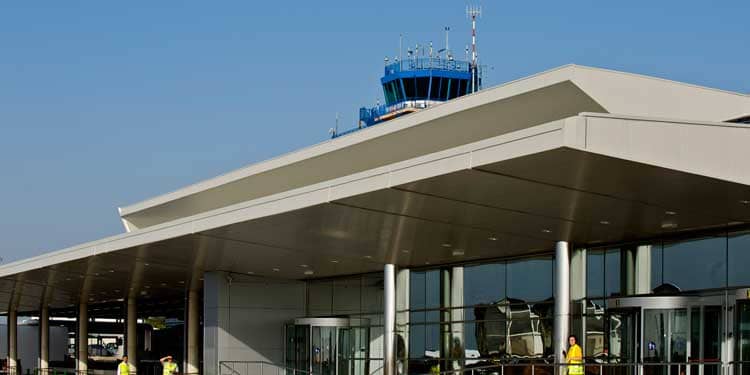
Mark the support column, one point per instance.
(627, 271)
(131, 333)
(193, 318)
(643, 269)
(12, 341)
(457, 352)
(389, 319)
(44, 340)
(402, 319)
(562, 300)
(82, 337)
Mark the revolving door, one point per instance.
(328, 346)
(668, 335)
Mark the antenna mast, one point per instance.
(473, 12)
(447, 48)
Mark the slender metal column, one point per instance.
(643, 269)
(44, 340)
(457, 350)
(82, 337)
(132, 335)
(13, 341)
(193, 318)
(562, 299)
(389, 319)
(402, 319)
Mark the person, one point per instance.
(574, 357)
(168, 366)
(123, 368)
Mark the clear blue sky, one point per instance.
(104, 104)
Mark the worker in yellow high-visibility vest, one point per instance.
(574, 357)
(168, 366)
(123, 368)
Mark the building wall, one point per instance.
(28, 344)
(244, 318)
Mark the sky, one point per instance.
(104, 104)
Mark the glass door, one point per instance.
(622, 326)
(324, 350)
(743, 338)
(353, 351)
(665, 341)
(297, 347)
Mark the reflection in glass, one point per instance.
(739, 258)
(696, 264)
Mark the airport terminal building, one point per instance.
(472, 236)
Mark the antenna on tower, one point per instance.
(473, 12)
(447, 48)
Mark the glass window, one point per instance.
(696, 264)
(594, 273)
(739, 258)
(657, 266)
(484, 283)
(612, 272)
(530, 279)
(424, 326)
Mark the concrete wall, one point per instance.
(244, 318)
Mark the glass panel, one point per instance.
(520, 272)
(739, 258)
(654, 336)
(657, 265)
(743, 337)
(695, 339)
(595, 274)
(678, 336)
(612, 272)
(484, 284)
(623, 340)
(323, 350)
(302, 345)
(697, 264)
(712, 333)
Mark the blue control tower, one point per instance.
(420, 82)
(423, 79)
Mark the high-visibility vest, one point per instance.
(169, 368)
(575, 365)
(123, 368)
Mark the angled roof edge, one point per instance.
(606, 91)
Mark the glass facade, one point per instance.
(502, 311)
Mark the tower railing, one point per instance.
(424, 63)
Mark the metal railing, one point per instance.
(420, 63)
(541, 368)
(257, 368)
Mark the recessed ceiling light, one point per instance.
(604, 222)
(182, 282)
(368, 257)
(146, 264)
(111, 271)
(546, 231)
(96, 274)
(426, 262)
(492, 238)
(745, 201)
(303, 265)
(405, 251)
(67, 278)
(309, 272)
(276, 270)
(163, 284)
(458, 252)
(147, 286)
(250, 273)
(669, 225)
(670, 213)
(334, 261)
(446, 245)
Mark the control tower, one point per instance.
(422, 79)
